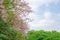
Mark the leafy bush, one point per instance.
(43, 35)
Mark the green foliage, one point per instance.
(43, 35)
(7, 33)
(8, 4)
(10, 15)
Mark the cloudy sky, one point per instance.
(46, 15)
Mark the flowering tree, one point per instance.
(13, 13)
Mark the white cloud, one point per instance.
(36, 3)
(45, 23)
(47, 15)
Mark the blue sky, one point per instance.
(46, 15)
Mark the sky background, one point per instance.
(46, 15)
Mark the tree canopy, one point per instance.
(43, 35)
